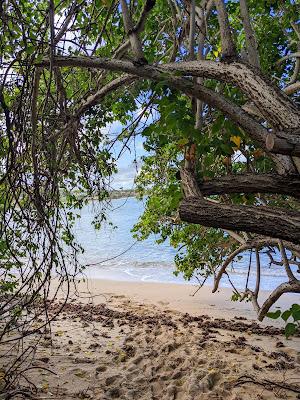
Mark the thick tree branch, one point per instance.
(273, 222)
(287, 144)
(255, 130)
(272, 103)
(190, 187)
(253, 183)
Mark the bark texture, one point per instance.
(273, 222)
(253, 183)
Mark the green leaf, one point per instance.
(295, 308)
(274, 315)
(296, 315)
(290, 329)
(286, 315)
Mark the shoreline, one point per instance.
(178, 297)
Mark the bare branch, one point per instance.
(292, 88)
(251, 44)
(138, 28)
(258, 273)
(288, 56)
(228, 46)
(287, 287)
(192, 31)
(65, 25)
(286, 262)
(95, 98)
(257, 244)
(132, 34)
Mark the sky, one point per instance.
(129, 162)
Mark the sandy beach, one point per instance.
(128, 340)
(177, 297)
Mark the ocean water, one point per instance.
(116, 255)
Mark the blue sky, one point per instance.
(129, 161)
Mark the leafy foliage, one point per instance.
(293, 313)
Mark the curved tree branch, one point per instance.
(257, 131)
(273, 104)
(287, 287)
(286, 262)
(257, 244)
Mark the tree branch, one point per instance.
(95, 98)
(251, 44)
(257, 244)
(132, 34)
(74, 7)
(138, 28)
(287, 287)
(255, 130)
(293, 87)
(284, 142)
(268, 221)
(228, 46)
(192, 30)
(273, 104)
(189, 184)
(285, 261)
(258, 271)
(253, 183)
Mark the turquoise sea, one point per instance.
(118, 256)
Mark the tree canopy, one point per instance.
(213, 89)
